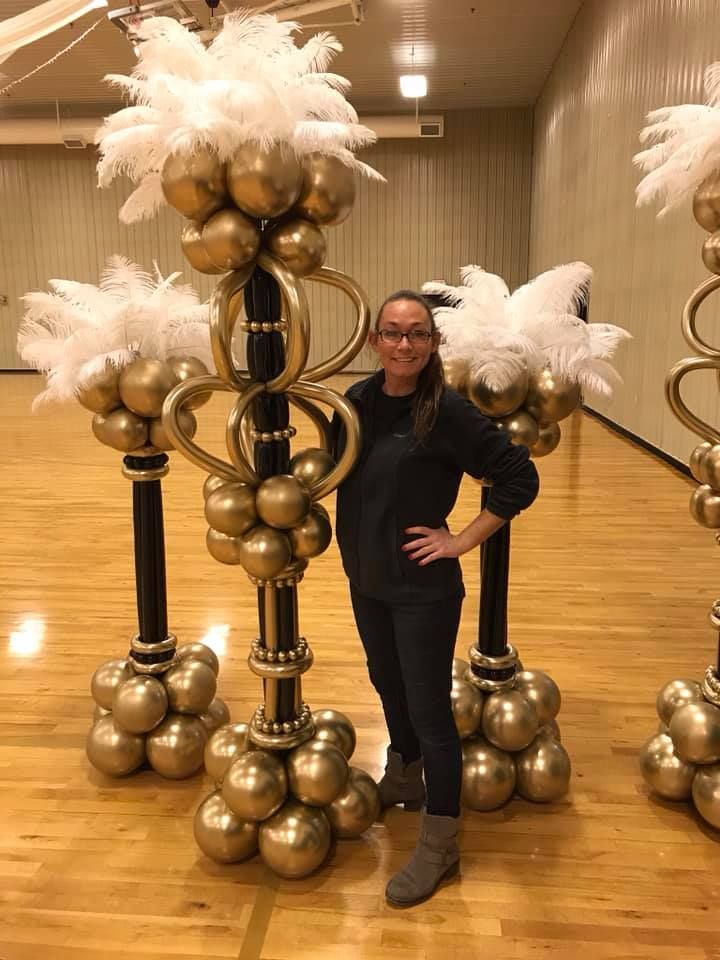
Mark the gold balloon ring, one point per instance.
(347, 413)
(677, 404)
(234, 434)
(336, 278)
(318, 419)
(689, 329)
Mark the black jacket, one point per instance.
(422, 487)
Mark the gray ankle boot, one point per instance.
(402, 783)
(436, 859)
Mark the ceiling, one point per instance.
(475, 53)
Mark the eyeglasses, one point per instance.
(395, 336)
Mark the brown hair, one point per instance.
(431, 382)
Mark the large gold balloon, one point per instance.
(175, 748)
(695, 732)
(706, 794)
(193, 248)
(663, 771)
(158, 435)
(335, 727)
(231, 509)
(709, 467)
(282, 501)
(264, 552)
(706, 203)
(212, 483)
(99, 392)
(255, 784)
(488, 777)
(547, 441)
(498, 403)
(120, 429)
(139, 704)
(231, 239)
(697, 458)
(551, 730)
(328, 190)
(356, 808)
(223, 747)
(187, 368)
(106, 678)
(295, 841)
(467, 707)
(676, 693)
(457, 374)
(264, 183)
(460, 668)
(311, 537)
(311, 465)
(217, 715)
(711, 252)
(194, 185)
(221, 834)
(144, 384)
(551, 398)
(317, 772)
(704, 506)
(199, 651)
(225, 549)
(299, 244)
(191, 686)
(112, 750)
(520, 427)
(509, 720)
(542, 690)
(543, 771)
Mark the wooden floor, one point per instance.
(611, 583)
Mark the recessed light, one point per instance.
(413, 85)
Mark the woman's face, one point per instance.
(406, 358)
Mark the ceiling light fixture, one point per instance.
(413, 85)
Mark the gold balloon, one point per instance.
(550, 398)
(139, 704)
(99, 392)
(295, 841)
(317, 772)
(695, 732)
(217, 715)
(457, 374)
(335, 727)
(144, 384)
(121, 430)
(498, 403)
(108, 676)
(175, 748)
(509, 720)
(223, 747)
(696, 461)
(356, 808)
(547, 441)
(213, 483)
(459, 668)
(199, 651)
(221, 834)
(663, 771)
(710, 467)
(520, 427)
(704, 506)
(311, 537)
(255, 784)
(676, 694)
(311, 465)
(191, 686)
(706, 203)
(299, 244)
(467, 707)
(158, 435)
(264, 552)
(706, 794)
(194, 185)
(224, 549)
(112, 750)
(100, 712)
(488, 776)
(265, 183)
(551, 730)
(187, 368)
(328, 190)
(711, 252)
(282, 501)
(231, 509)
(543, 771)
(231, 239)
(193, 248)
(542, 690)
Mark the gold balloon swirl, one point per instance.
(689, 329)
(677, 404)
(335, 278)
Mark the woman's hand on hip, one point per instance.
(431, 544)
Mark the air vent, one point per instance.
(431, 129)
(74, 143)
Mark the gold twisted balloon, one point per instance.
(690, 310)
(672, 393)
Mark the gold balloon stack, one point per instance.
(682, 760)
(158, 704)
(283, 781)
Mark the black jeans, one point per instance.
(410, 650)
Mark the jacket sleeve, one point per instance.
(486, 453)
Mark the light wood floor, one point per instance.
(611, 583)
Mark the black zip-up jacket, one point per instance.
(398, 483)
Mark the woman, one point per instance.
(418, 438)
